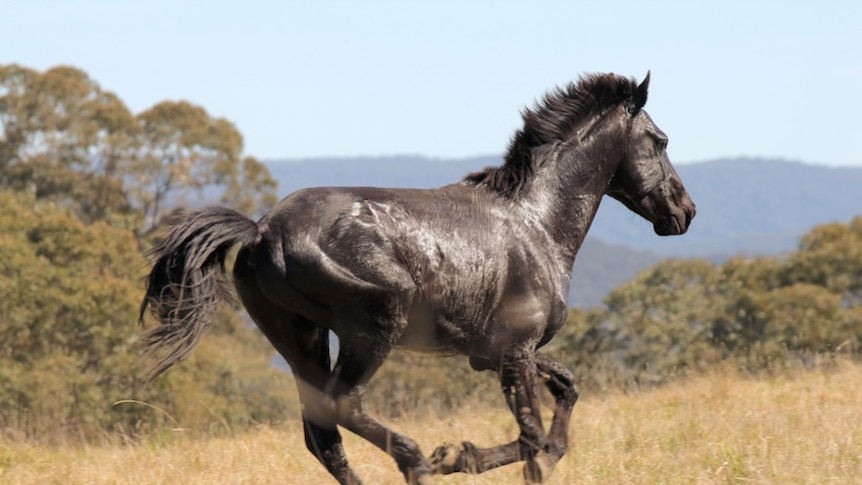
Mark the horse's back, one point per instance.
(340, 256)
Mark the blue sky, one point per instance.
(448, 79)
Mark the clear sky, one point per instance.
(448, 78)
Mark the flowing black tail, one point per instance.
(188, 281)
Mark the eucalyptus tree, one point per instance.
(65, 138)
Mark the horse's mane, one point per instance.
(554, 118)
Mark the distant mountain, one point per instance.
(745, 206)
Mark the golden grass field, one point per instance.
(799, 428)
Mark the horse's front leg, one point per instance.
(560, 383)
(518, 377)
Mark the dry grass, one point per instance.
(719, 428)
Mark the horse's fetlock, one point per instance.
(539, 467)
(416, 470)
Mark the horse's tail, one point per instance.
(188, 281)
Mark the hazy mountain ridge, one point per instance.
(745, 206)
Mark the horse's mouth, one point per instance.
(675, 223)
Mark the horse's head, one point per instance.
(645, 181)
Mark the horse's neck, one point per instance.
(566, 195)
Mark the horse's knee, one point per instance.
(560, 381)
(409, 458)
(570, 394)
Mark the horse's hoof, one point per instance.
(446, 459)
(424, 479)
(539, 468)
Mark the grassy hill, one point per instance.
(719, 428)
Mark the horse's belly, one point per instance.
(479, 326)
(435, 329)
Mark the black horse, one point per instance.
(479, 268)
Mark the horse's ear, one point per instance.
(640, 94)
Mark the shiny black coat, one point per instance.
(479, 268)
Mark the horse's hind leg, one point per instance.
(307, 351)
(358, 359)
(311, 371)
(305, 347)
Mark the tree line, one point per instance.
(66, 139)
(85, 186)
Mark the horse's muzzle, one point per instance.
(678, 219)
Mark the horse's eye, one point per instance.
(662, 144)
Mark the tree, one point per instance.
(64, 139)
(664, 317)
(741, 283)
(592, 346)
(185, 151)
(802, 319)
(68, 294)
(75, 170)
(252, 189)
(830, 256)
(71, 294)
